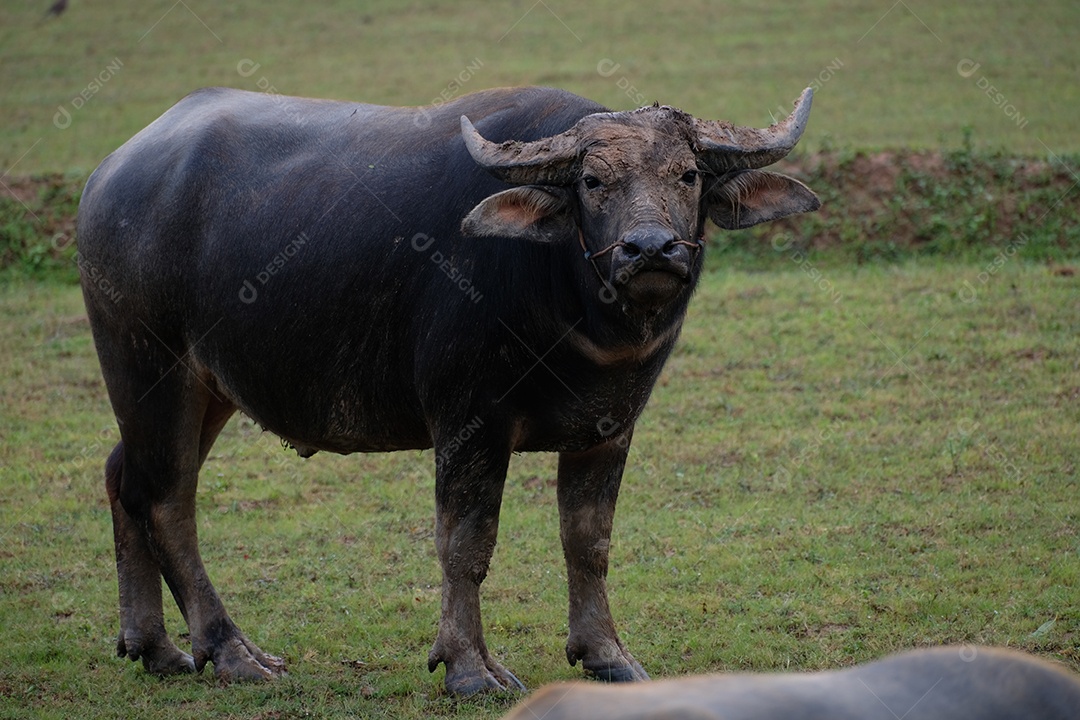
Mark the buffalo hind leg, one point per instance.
(166, 436)
(588, 487)
(468, 491)
(142, 626)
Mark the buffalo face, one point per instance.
(638, 195)
(634, 188)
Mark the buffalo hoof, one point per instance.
(239, 659)
(464, 678)
(161, 658)
(618, 666)
(488, 679)
(633, 672)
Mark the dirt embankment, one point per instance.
(882, 205)
(37, 222)
(937, 203)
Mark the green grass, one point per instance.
(865, 441)
(822, 476)
(887, 72)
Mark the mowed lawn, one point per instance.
(913, 73)
(832, 467)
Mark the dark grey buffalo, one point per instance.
(506, 272)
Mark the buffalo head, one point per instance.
(634, 188)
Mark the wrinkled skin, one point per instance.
(277, 256)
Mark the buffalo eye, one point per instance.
(590, 182)
(689, 177)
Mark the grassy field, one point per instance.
(912, 73)
(833, 466)
(865, 441)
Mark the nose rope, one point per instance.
(591, 256)
(605, 251)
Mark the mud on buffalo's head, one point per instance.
(634, 189)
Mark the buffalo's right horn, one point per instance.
(551, 161)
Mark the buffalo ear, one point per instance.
(749, 197)
(530, 212)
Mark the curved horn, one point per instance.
(725, 147)
(551, 161)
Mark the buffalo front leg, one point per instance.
(468, 491)
(587, 489)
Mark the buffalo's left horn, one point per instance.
(725, 147)
(551, 161)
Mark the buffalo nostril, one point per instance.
(649, 242)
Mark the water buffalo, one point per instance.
(505, 272)
(948, 683)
